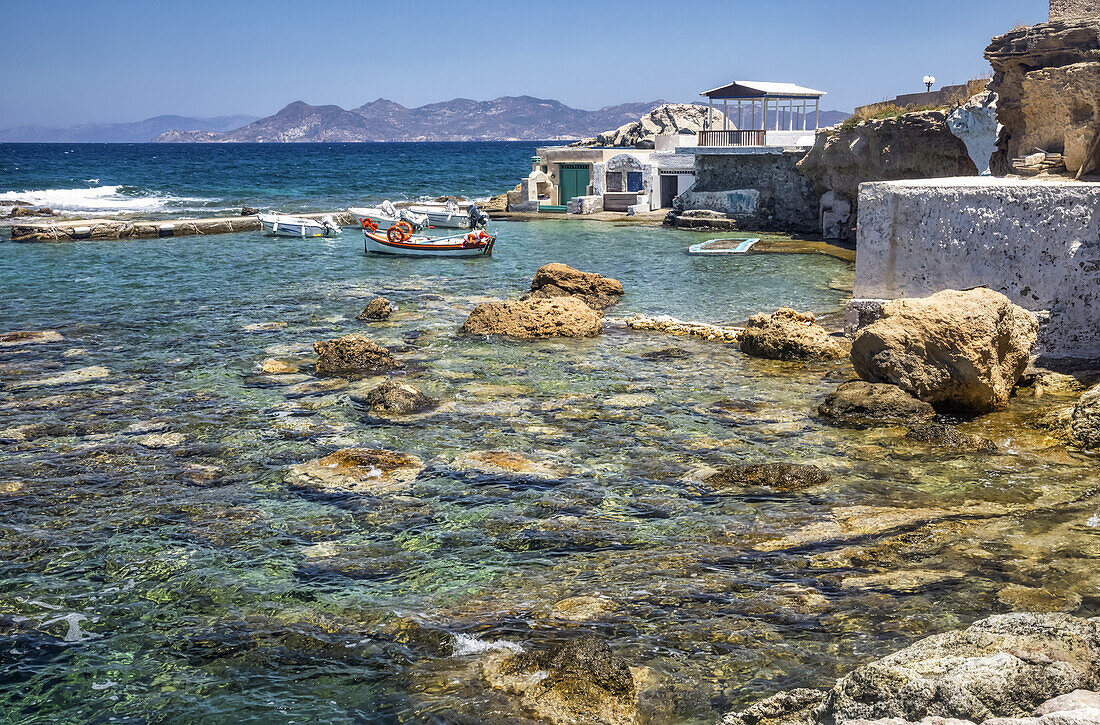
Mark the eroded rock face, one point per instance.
(960, 351)
(910, 146)
(377, 309)
(861, 404)
(671, 118)
(1006, 666)
(1047, 79)
(789, 335)
(353, 353)
(535, 318)
(975, 124)
(1085, 421)
(561, 280)
(778, 476)
(394, 397)
(578, 682)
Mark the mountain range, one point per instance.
(133, 132)
(509, 118)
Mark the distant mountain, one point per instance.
(134, 132)
(509, 118)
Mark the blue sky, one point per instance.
(64, 62)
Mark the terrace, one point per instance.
(765, 115)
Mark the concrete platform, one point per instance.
(84, 229)
(1036, 241)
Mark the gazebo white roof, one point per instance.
(761, 89)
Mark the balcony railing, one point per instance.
(738, 137)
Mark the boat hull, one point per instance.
(425, 247)
(293, 227)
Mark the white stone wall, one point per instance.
(1037, 242)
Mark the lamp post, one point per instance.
(928, 81)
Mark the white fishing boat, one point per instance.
(282, 225)
(450, 215)
(385, 215)
(398, 240)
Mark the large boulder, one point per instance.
(961, 351)
(394, 397)
(910, 146)
(358, 470)
(861, 404)
(535, 318)
(1085, 421)
(561, 280)
(1047, 79)
(353, 353)
(789, 335)
(669, 119)
(377, 309)
(1006, 666)
(581, 681)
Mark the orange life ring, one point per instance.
(399, 232)
(369, 224)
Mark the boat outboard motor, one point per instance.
(478, 218)
(330, 225)
(388, 209)
(418, 221)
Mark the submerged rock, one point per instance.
(273, 366)
(664, 323)
(789, 335)
(1006, 666)
(948, 436)
(504, 462)
(29, 337)
(561, 280)
(779, 476)
(358, 470)
(1085, 419)
(580, 681)
(377, 309)
(957, 350)
(353, 353)
(535, 318)
(862, 404)
(398, 398)
(72, 377)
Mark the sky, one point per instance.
(65, 62)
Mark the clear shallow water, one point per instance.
(164, 180)
(204, 585)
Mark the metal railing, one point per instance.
(738, 137)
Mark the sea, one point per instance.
(171, 551)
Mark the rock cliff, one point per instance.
(911, 146)
(1047, 78)
(669, 119)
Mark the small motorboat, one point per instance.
(282, 225)
(399, 240)
(450, 215)
(385, 215)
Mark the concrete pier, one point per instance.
(84, 229)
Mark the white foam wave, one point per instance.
(466, 645)
(100, 199)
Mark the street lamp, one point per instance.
(928, 81)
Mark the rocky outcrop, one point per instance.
(911, 146)
(353, 353)
(561, 280)
(862, 404)
(664, 323)
(669, 119)
(777, 476)
(394, 397)
(961, 351)
(975, 124)
(581, 681)
(789, 335)
(377, 309)
(1085, 420)
(535, 318)
(1006, 666)
(1047, 79)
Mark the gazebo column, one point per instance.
(817, 113)
(725, 115)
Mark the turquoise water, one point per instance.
(159, 561)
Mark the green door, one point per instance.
(574, 181)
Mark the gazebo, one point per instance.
(782, 100)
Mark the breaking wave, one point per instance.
(113, 199)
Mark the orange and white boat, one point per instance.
(399, 240)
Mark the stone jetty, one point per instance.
(84, 229)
